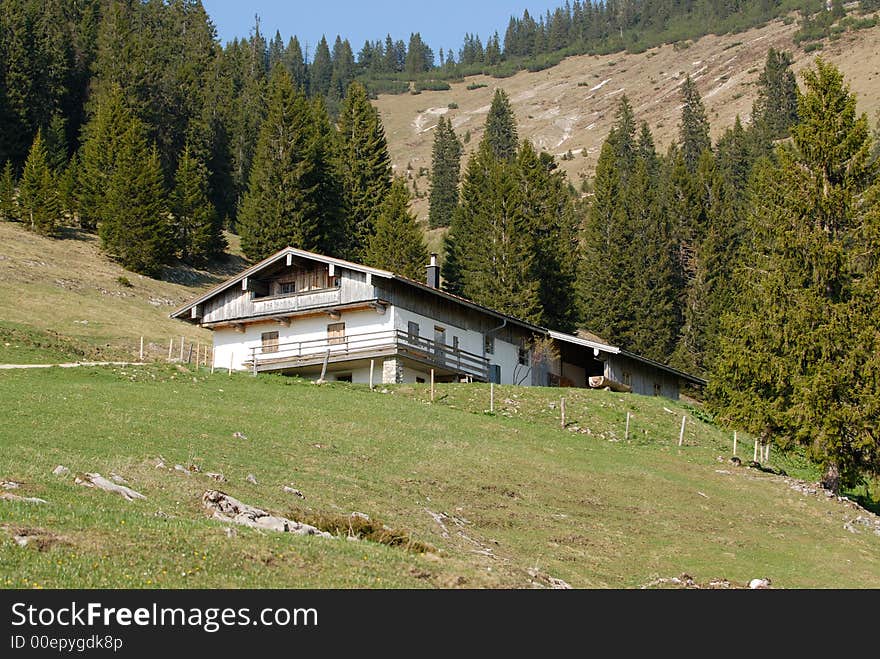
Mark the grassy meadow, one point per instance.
(506, 499)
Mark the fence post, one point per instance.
(432, 385)
(755, 457)
(181, 349)
(562, 412)
(231, 355)
(681, 434)
(626, 434)
(254, 360)
(734, 442)
(372, 365)
(170, 347)
(492, 397)
(213, 357)
(141, 357)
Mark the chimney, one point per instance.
(433, 272)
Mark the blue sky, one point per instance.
(442, 23)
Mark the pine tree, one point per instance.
(694, 129)
(398, 244)
(321, 69)
(775, 108)
(364, 167)
(197, 229)
(8, 210)
(38, 192)
(445, 174)
(296, 65)
(102, 137)
(56, 143)
(501, 133)
(798, 359)
(136, 230)
(282, 206)
(548, 207)
(330, 238)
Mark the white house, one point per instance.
(302, 313)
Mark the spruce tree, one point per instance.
(8, 211)
(282, 206)
(321, 69)
(102, 138)
(296, 65)
(197, 229)
(501, 133)
(136, 231)
(398, 244)
(798, 362)
(38, 192)
(694, 128)
(364, 167)
(775, 108)
(445, 174)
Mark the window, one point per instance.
(420, 380)
(523, 356)
(287, 287)
(335, 333)
(412, 331)
(269, 341)
(489, 344)
(455, 347)
(343, 377)
(658, 389)
(627, 379)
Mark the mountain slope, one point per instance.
(571, 107)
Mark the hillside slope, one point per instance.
(571, 106)
(509, 500)
(63, 299)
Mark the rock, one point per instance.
(60, 470)
(116, 478)
(736, 461)
(251, 479)
(362, 516)
(98, 481)
(231, 532)
(292, 490)
(10, 485)
(181, 469)
(239, 435)
(6, 496)
(228, 509)
(759, 584)
(220, 478)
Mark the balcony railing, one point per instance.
(356, 346)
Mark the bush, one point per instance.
(124, 281)
(476, 85)
(453, 106)
(432, 86)
(810, 47)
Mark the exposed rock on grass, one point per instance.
(98, 481)
(228, 509)
(6, 496)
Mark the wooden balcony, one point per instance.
(293, 355)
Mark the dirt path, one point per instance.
(8, 367)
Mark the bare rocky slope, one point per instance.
(571, 107)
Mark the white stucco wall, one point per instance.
(229, 344)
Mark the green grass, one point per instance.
(519, 493)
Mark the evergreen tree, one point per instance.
(330, 238)
(548, 207)
(135, 231)
(798, 359)
(321, 69)
(364, 167)
(282, 206)
(38, 193)
(296, 65)
(8, 211)
(397, 244)
(694, 129)
(501, 133)
(445, 174)
(102, 138)
(56, 143)
(198, 232)
(775, 108)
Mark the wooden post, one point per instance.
(254, 360)
(205, 357)
(170, 347)
(432, 385)
(562, 412)
(681, 434)
(231, 355)
(767, 453)
(492, 397)
(181, 348)
(189, 355)
(198, 353)
(626, 434)
(734, 442)
(213, 357)
(324, 367)
(372, 365)
(141, 357)
(755, 457)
